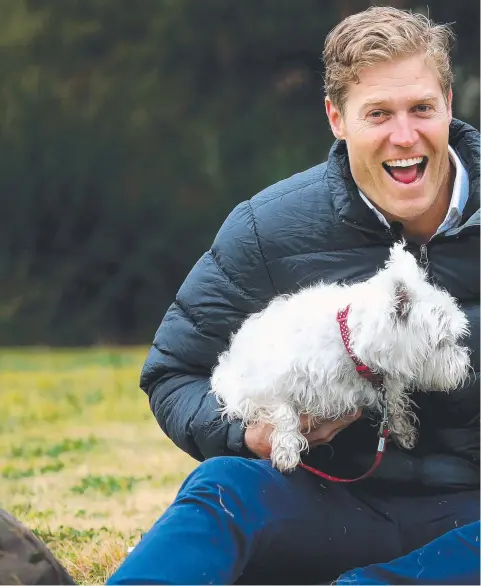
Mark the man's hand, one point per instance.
(320, 432)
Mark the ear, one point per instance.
(335, 119)
(449, 105)
(402, 300)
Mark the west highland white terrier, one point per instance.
(290, 359)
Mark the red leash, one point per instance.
(377, 382)
(380, 451)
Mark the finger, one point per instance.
(320, 437)
(327, 430)
(355, 416)
(310, 425)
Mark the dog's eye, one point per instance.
(444, 342)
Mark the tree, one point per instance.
(128, 134)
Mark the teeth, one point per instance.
(404, 162)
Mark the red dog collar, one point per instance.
(376, 380)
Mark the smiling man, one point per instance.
(401, 166)
(395, 122)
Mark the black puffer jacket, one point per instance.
(314, 225)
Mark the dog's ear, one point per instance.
(402, 300)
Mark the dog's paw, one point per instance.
(408, 442)
(406, 437)
(285, 460)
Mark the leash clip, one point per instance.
(384, 425)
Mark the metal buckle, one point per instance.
(385, 420)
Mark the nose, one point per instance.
(403, 133)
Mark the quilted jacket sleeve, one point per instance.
(229, 282)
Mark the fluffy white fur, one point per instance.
(289, 359)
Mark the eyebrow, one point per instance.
(374, 102)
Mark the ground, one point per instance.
(82, 461)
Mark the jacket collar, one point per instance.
(348, 203)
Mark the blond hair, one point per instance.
(378, 34)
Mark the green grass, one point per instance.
(82, 461)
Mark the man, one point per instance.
(401, 166)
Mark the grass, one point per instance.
(82, 461)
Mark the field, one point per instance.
(82, 461)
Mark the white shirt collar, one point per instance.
(458, 199)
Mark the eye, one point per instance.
(376, 115)
(423, 108)
(445, 342)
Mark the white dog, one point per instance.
(290, 359)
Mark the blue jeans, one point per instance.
(240, 521)
(452, 558)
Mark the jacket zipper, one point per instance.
(423, 256)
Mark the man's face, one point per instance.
(396, 126)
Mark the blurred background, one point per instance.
(128, 131)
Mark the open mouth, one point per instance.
(406, 171)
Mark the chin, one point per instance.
(407, 213)
(408, 208)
